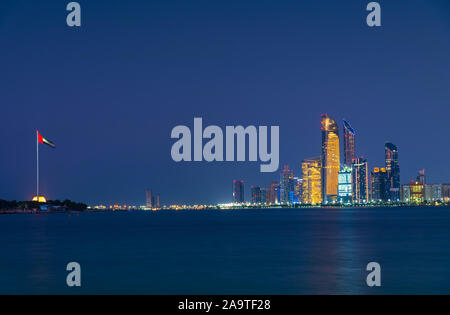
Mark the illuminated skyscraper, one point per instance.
(349, 144)
(360, 181)
(272, 193)
(312, 183)
(286, 184)
(149, 198)
(255, 194)
(238, 191)
(330, 159)
(379, 184)
(393, 171)
(158, 201)
(345, 185)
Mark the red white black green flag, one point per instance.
(41, 139)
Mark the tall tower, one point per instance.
(149, 198)
(238, 191)
(380, 184)
(392, 170)
(312, 183)
(286, 184)
(360, 181)
(158, 201)
(330, 159)
(349, 144)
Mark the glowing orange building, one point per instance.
(330, 159)
(312, 181)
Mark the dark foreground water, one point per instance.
(282, 251)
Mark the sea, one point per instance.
(248, 251)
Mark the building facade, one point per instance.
(379, 185)
(349, 144)
(238, 191)
(330, 159)
(286, 185)
(360, 181)
(393, 171)
(345, 185)
(149, 201)
(312, 181)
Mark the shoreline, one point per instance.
(275, 207)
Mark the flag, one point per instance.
(41, 139)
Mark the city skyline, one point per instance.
(110, 92)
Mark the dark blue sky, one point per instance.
(109, 93)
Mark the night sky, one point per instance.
(109, 93)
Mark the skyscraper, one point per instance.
(238, 191)
(360, 181)
(272, 193)
(345, 185)
(380, 185)
(330, 159)
(312, 183)
(158, 201)
(149, 198)
(255, 194)
(286, 184)
(393, 171)
(349, 144)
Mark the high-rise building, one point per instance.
(433, 192)
(149, 198)
(255, 194)
(405, 193)
(272, 193)
(417, 192)
(158, 201)
(393, 171)
(360, 181)
(380, 185)
(263, 195)
(349, 144)
(312, 181)
(238, 191)
(445, 192)
(330, 159)
(421, 177)
(298, 188)
(286, 184)
(345, 185)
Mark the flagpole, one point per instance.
(37, 165)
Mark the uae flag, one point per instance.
(41, 139)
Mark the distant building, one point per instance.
(149, 198)
(433, 193)
(263, 195)
(255, 194)
(393, 171)
(379, 184)
(312, 181)
(360, 181)
(272, 193)
(286, 184)
(158, 201)
(417, 192)
(238, 191)
(345, 185)
(330, 159)
(445, 192)
(298, 190)
(406, 193)
(421, 177)
(349, 144)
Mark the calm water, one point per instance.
(282, 251)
